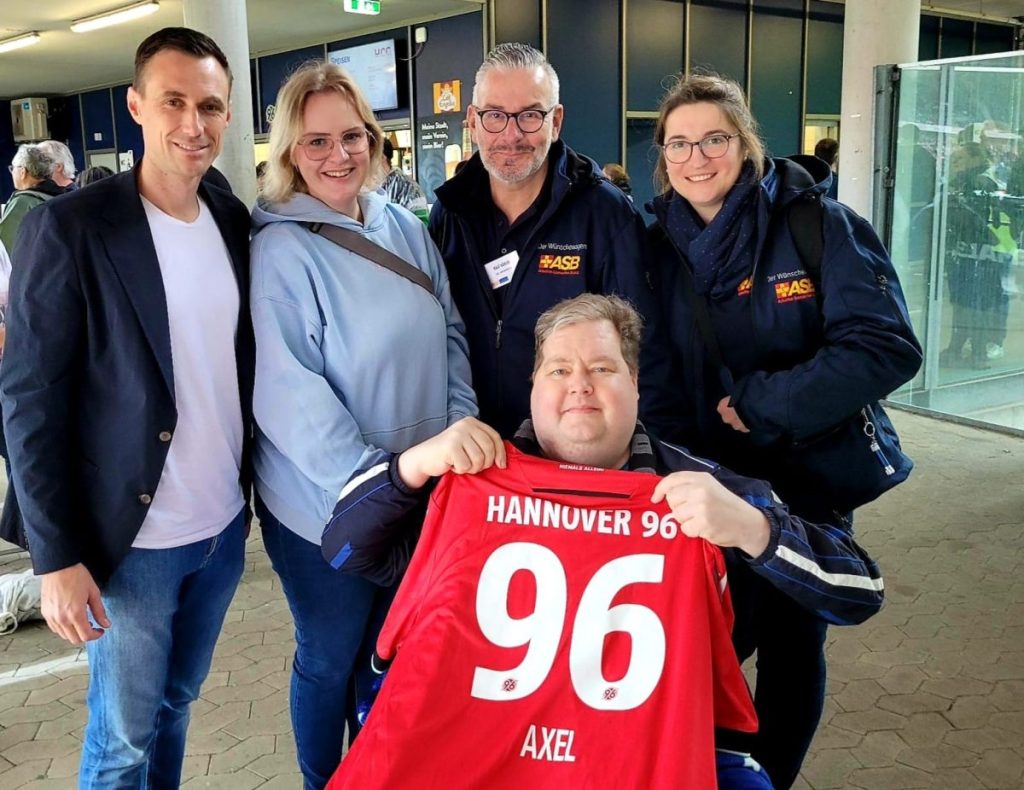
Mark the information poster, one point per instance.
(434, 137)
(447, 96)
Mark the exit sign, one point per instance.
(362, 6)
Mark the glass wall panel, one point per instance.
(957, 232)
(718, 38)
(776, 89)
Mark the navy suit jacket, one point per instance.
(87, 380)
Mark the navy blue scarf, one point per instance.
(722, 252)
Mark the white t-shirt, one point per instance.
(199, 492)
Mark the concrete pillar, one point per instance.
(225, 22)
(874, 32)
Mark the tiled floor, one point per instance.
(928, 694)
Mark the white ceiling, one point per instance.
(1001, 10)
(65, 62)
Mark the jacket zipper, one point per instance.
(869, 431)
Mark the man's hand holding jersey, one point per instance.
(706, 509)
(465, 447)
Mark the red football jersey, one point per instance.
(554, 630)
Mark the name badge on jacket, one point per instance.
(500, 270)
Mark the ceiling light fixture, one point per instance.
(24, 40)
(115, 17)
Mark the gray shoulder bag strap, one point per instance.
(363, 247)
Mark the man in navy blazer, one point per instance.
(126, 389)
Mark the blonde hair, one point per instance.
(592, 307)
(724, 93)
(282, 178)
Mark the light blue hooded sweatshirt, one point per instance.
(350, 357)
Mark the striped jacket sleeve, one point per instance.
(376, 522)
(821, 566)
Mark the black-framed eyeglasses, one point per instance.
(320, 146)
(528, 121)
(713, 146)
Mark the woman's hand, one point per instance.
(730, 417)
(706, 509)
(466, 447)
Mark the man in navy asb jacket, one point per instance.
(529, 222)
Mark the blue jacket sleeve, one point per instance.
(376, 522)
(868, 347)
(818, 565)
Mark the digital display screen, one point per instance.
(372, 66)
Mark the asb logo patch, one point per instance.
(744, 287)
(794, 290)
(559, 264)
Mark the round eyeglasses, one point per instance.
(713, 146)
(528, 121)
(320, 146)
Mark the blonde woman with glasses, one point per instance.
(352, 359)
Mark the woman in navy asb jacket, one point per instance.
(795, 362)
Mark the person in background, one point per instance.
(126, 387)
(980, 248)
(529, 222)
(616, 173)
(399, 187)
(30, 171)
(827, 150)
(794, 363)
(5, 282)
(351, 358)
(63, 171)
(93, 174)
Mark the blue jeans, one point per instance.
(166, 608)
(740, 772)
(790, 693)
(337, 617)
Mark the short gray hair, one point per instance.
(512, 56)
(37, 163)
(593, 307)
(61, 155)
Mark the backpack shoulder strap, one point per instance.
(805, 217)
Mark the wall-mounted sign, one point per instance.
(362, 6)
(447, 96)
